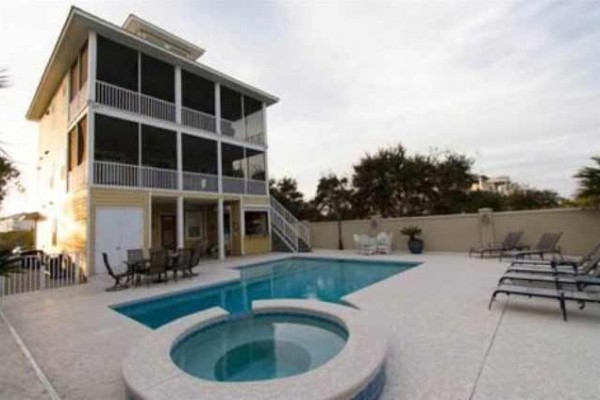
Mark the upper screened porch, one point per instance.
(132, 81)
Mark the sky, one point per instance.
(514, 85)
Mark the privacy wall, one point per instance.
(459, 232)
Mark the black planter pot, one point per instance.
(415, 246)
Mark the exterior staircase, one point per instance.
(288, 233)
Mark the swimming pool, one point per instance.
(292, 278)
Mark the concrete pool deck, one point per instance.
(444, 342)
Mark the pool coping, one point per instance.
(163, 296)
(150, 373)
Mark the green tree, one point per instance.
(285, 190)
(334, 201)
(532, 199)
(484, 199)
(589, 183)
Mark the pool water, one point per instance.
(262, 347)
(293, 278)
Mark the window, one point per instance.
(256, 223)
(233, 160)
(117, 64)
(115, 140)
(159, 147)
(194, 225)
(197, 93)
(253, 114)
(256, 164)
(199, 155)
(158, 79)
(232, 123)
(76, 142)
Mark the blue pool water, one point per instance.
(293, 278)
(257, 348)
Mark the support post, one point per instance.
(178, 94)
(180, 216)
(179, 162)
(221, 229)
(92, 65)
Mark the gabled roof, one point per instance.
(75, 32)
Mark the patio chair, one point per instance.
(365, 244)
(136, 262)
(158, 265)
(384, 243)
(184, 259)
(590, 276)
(560, 266)
(199, 251)
(116, 276)
(546, 245)
(510, 243)
(562, 296)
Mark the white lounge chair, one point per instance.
(365, 244)
(384, 243)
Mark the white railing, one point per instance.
(77, 177)
(200, 182)
(259, 138)
(38, 272)
(116, 174)
(302, 231)
(159, 178)
(256, 187)
(286, 231)
(135, 102)
(198, 119)
(79, 101)
(234, 185)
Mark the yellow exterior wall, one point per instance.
(104, 197)
(257, 244)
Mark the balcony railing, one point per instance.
(198, 119)
(234, 185)
(134, 102)
(255, 187)
(77, 177)
(78, 102)
(109, 173)
(200, 182)
(128, 100)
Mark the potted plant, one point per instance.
(415, 244)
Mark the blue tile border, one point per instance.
(373, 390)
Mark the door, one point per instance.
(168, 232)
(227, 229)
(117, 230)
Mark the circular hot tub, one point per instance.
(287, 349)
(265, 346)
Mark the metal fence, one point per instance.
(43, 271)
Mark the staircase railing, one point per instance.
(283, 218)
(286, 231)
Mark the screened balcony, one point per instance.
(128, 154)
(134, 82)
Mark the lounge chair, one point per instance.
(365, 244)
(116, 276)
(560, 266)
(384, 243)
(546, 245)
(562, 296)
(590, 276)
(510, 243)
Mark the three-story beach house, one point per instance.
(142, 146)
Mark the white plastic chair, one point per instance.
(384, 243)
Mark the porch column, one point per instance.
(92, 65)
(221, 229)
(180, 216)
(178, 94)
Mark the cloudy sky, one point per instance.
(513, 85)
